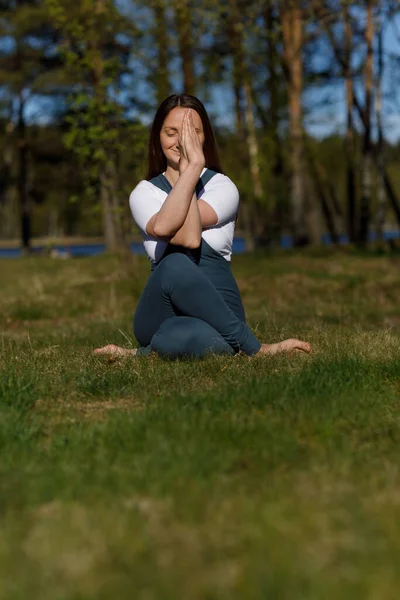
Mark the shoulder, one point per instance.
(220, 179)
(223, 182)
(143, 191)
(143, 187)
(222, 186)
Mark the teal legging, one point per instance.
(181, 313)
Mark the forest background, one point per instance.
(304, 97)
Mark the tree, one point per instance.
(29, 66)
(273, 86)
(349, 137)
(244, 110)
(185, 32)
(371, 155)
(161, 42)
(291, 16)
(367, 159)
(96, 44)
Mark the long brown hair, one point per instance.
(157, 161)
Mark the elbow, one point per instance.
(191, 243)
(194, 243)
(161, 231)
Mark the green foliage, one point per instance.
(95, 60)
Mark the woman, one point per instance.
(186, 209)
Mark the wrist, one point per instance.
(182, 168)
(197, 165)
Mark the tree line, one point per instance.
(80, 80)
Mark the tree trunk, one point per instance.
(235, 36)
(278, 187)
(113, 233)
(252, 143)
(161, 40)
(7, 188)
(320, 188)
(336, 206)
(234, 31)
(292, 26)
(261, 225)
(185, 37)
(24, 200)
(379, 150)
(110, 236)
(239, 121)
(349, 140)
(392, 197)
(367, 159)
(22, 152)
(246, 127)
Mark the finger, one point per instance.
(185, 130)
(181, 136)
(192, 131)
(185, 121)
(191, 123)
(193, 127)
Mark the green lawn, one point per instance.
(225, 478)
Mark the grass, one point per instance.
(224, 478)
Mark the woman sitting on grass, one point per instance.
(186, 209)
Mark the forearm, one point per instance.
(189, 235)
(175, 209)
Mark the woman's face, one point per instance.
(171, 130)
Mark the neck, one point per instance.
(172, 174)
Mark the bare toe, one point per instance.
(113, 350)
(109, 349)
(285, 347)
(294, 344)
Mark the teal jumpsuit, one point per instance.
(191, 305)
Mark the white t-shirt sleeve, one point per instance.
(223, 196)
(144, 203)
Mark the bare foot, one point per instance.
(113, 350)
(285, 347)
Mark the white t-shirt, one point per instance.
(220, 193)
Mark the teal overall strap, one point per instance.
(163, 184)
(204, 179)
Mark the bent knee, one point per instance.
(178, 270)
(188, 336)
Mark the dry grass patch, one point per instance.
(61, 411)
